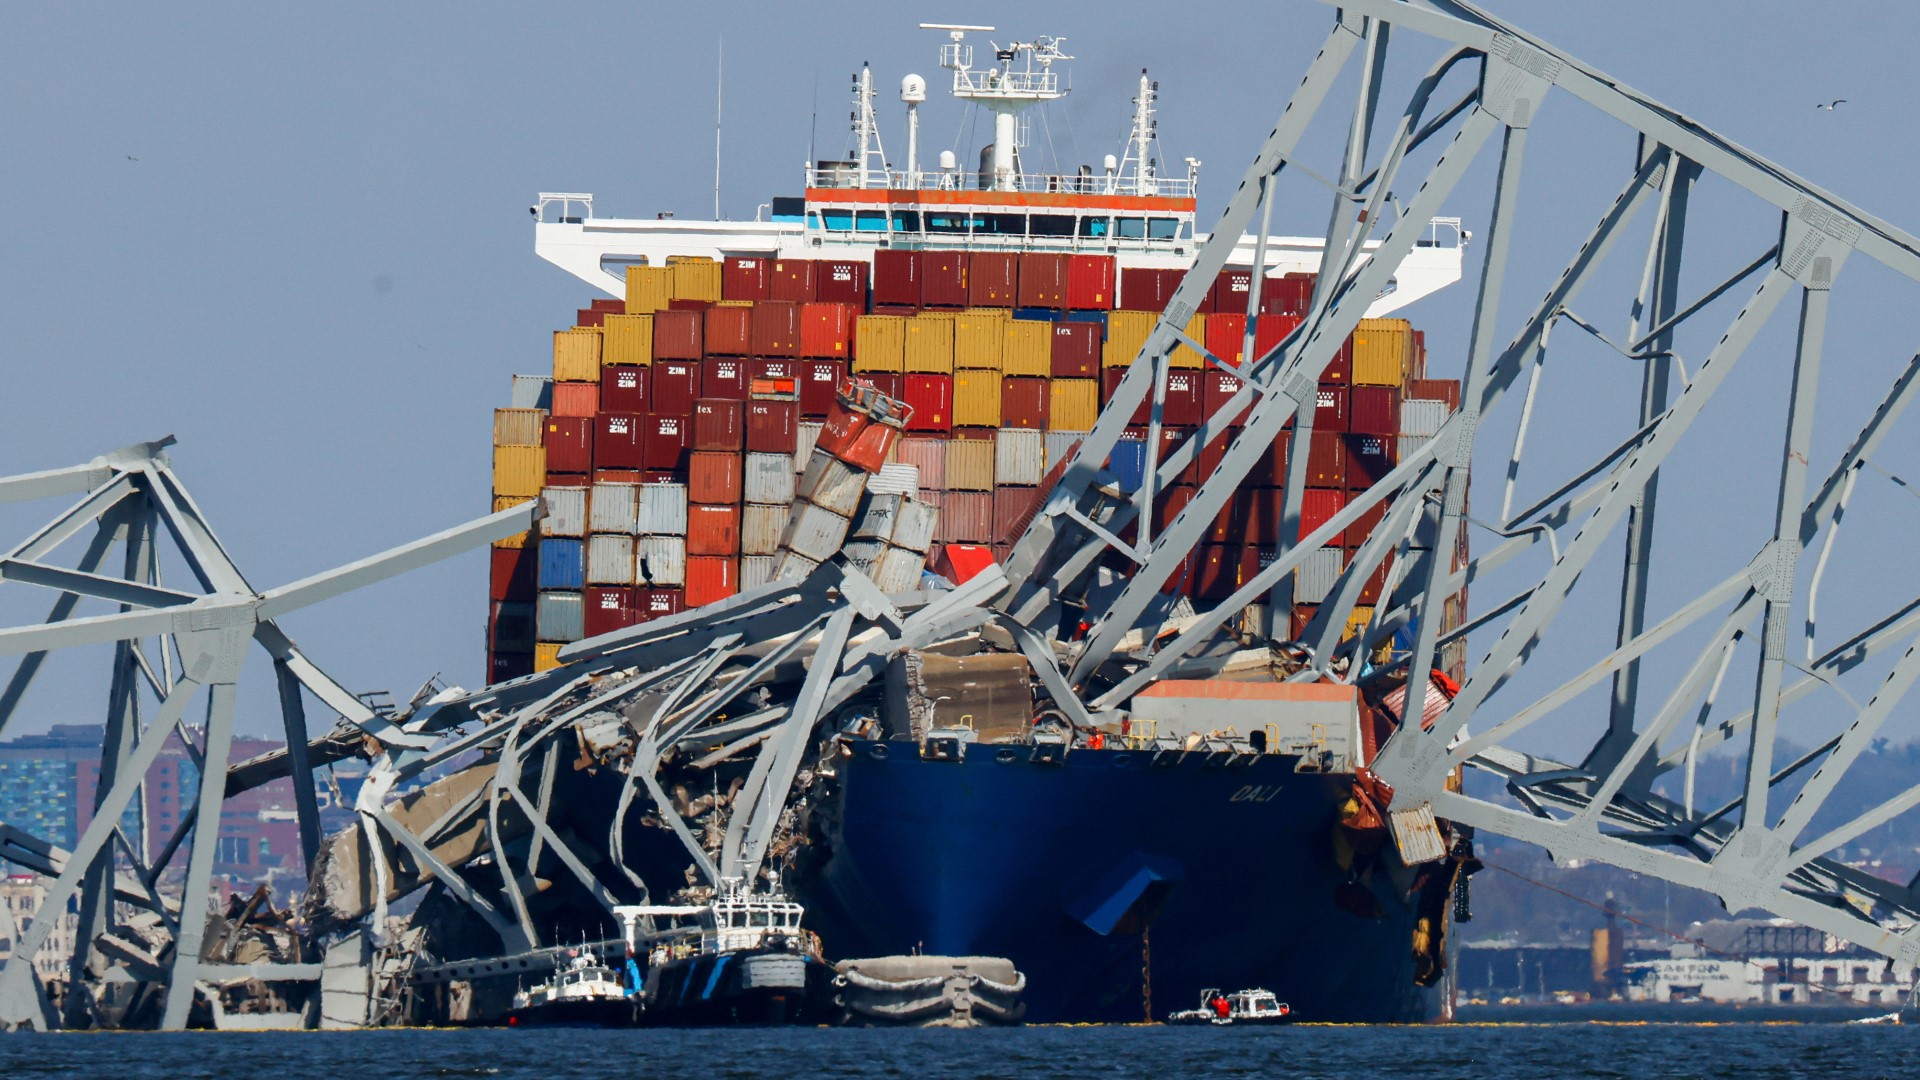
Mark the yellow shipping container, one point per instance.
(519, 427)
(648, 289)
(879, 343)
(976, 398)
(1382, 352)
(1184, 357)
(1362, 615)
(576, 355)
(1126, 332)
(546, 656)
(519, 470)
(980, 337)
(628, 339)
(1073, 404)
(693, 277)
(929, 347)
(507, 502)
(1029, 349)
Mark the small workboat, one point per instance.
(1257, 1007)
(585, 993)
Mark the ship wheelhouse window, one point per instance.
(946, 223)
(837, 220)
(1163, 228)
(1133, 228)
(906, 221)
(870, 221)
(1095, 226)
(1051, 224)
(1000, 224)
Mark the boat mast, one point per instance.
(866, 129)
(1004, 91)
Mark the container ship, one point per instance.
(1001, 307)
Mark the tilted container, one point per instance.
(814, 532)
(916, 525)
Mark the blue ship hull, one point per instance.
(1231, 870)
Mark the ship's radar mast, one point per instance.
(1140, 143)
(866, 132)
(1003, 88)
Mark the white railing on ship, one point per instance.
(850, 178)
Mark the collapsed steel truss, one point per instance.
(762, 672)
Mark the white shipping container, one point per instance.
(915, 524)
(660, 561)
(559, 616)
(832, 484)
(1422, 416)
(1313, 581)
(895, 479)
(793, 567)
(663, 510)
(814, 532)
(761, 527)
(877, 517)
(610, 559)
(531, 392)
(1060, 444)
(864, 555)
(1019, 456)
(566, 513)
(756, 570)
(808, 434)
(769, 479)
(613, 508)
(899, 570)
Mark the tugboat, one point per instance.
(740, 959)
(1256, 1007)
(585, 993)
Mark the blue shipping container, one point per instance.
(563, 564)
(1128, 463)
(1035, 314)
(1092, 317)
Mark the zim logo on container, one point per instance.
(1373, 446)
(668, 425)
(726, 369)
(616, 425)
(1179, 383)
(842, 273)
(627, 380)
(609, 601)
(1324, 399)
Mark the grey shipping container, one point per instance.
(793, 567)
(663, 510)
(610, 559)
(970, 465)
(559, 616)
(804, 438)
(769, 479)
(513, 627)
(899, 570)
(876, 518)
(519, 427)
(865, 554)
(1316, 575)
(895, 479)
(832, 484)
(1060, 444)
(1019, 456)
(814, 532)
(660, 561)
(566, 512)
(531, 392)
(915, 525)
(613, 508)
(1422, 416)
(756, 570)
(929, 455)
(761, 527)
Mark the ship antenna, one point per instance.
(719, 86)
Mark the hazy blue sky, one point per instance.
(319, 274)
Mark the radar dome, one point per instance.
(913, 89)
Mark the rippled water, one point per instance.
(1744, 1050)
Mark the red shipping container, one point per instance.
(622, 476)
(1216, 570)
(819, 380)
(672, 387)
(555, 479)
(746, 278)
(1183, 404)
(719, 424)
(1076, 350)
(664, 445)
(689, 305)
(1375, 410)
(1257, 515)
(589, 317)
(896, 279)
(773, 369)
(604, 610)
(1216, 389)
(1226, 337)
(713, 529)
(943, 279)
(724, 377)
(569, 442)
(793, 280)
(729, 330)
(931, 397)
(609, 305)
(1302, 615)
(513, 574)
(1090, 282)
(902, 310)
(1327, 461)
(618, 439)
(714, 477)
(841, 281)
(959, 563)
(993, 279)
(966, 517)
(1370, 458)
(1317, 507)
(1447, 390)
(1289, 295)
(1376, 582)
(659, 603)
(677, 335)
(1024, 403)
(1333, 407)
(623, 389)
(662, 476)
(1013, 508)
(826, 331)
(1043, 281)
(711, 578)
(1271, 469)
(1210, 456)
(1142, 289)
(1368, 521)
(1110, 382)
(892, 385)
(773, 427)
(578, 399)
(1270, 330)
(1340, 368)
(1229, 293)
(776, 329)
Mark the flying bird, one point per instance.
(1831, 105)
(130, 157)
